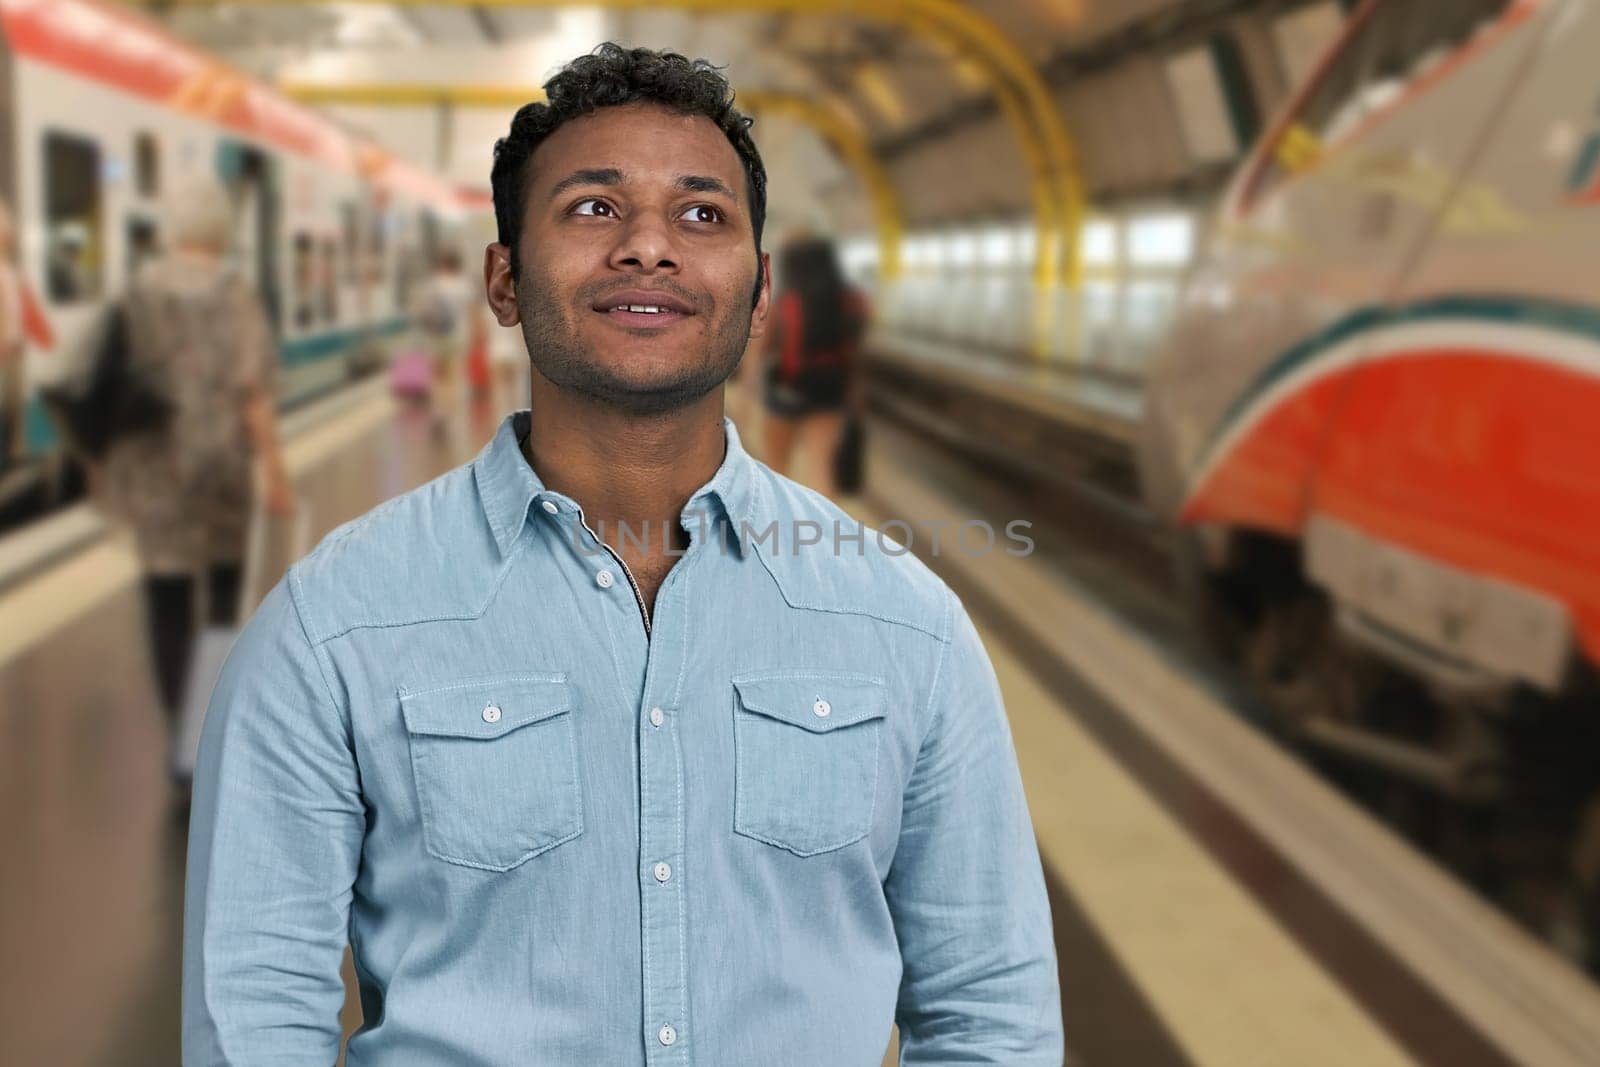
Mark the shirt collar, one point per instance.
(508, 485)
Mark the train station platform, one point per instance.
(1214, 903)
(1095, 400)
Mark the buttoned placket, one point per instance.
(663, 911)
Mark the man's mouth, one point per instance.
(643, 309)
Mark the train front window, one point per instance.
(1391, 51)
(349, 240)
(147, 165)
(305, 281)
(142, 241)
(328, 282)
(74, 233)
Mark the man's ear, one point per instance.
(758, 314)
(499, 285)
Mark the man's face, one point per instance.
(633, 207)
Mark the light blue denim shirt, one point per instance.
(784, 817)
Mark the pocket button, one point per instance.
(805, 763)
(495, 764)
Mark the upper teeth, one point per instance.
(651, 308)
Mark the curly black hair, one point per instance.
(610, 76)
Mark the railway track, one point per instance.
(1451, 979)
(1080, 488)
(1075, 478)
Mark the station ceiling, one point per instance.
(896, 80)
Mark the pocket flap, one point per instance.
(485, 708)
(814, 700)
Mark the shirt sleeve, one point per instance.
(966, 887)
(275, 837)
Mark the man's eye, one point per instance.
(593, 206)
(703, 213)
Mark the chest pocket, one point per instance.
(496, 767)
(806, 758)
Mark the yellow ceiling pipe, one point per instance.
(848, 140)
(410, 94)
(1023, 96)
(845, 137)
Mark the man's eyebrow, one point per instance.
(588, 176)
(699, 183)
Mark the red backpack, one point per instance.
(796, 363)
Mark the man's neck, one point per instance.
(637, 471)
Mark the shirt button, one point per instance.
(822, 708)
(663, 871)
(549, 506)
(491, 713)
(604, 579)
(667, 1035)
(657, 717)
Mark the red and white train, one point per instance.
(102, 113)
(1377, 421)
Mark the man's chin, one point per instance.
(653, 374)
(639, 393)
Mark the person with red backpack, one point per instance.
(812, 374)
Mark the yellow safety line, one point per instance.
(1233, 988)
(41, 606)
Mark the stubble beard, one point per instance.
(557, 352)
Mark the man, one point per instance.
(450, 315)
(687, 795)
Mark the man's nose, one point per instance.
(645, 244)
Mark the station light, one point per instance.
(1027, 237)
(998, 246)
(1165, 239)
(1099, 242)
(962, 249)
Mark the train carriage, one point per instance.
(1374, 423)
(102, 113)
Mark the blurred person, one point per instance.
(811, 374)
(12, 336)
(483, 404)
(186, 486)
(449, 314)
(686, 796)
